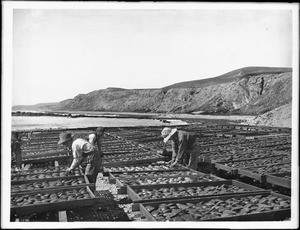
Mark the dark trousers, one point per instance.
(192, 156)
(91, 172)
(92, 161)
(16, 152)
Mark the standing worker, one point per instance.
(16, 149)
(96, 139)
(83, 152)
(185, 147)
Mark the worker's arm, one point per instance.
(77, 158)
(75, 163)
(99, 147)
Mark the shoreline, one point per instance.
(136, 115)
(164, 119)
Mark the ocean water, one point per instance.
(48, 122)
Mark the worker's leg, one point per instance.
(186, 158)
(100, 168)
(88, 172)
(194, 158)
(18, 155)
(91, 173)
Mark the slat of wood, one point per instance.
(62, 216)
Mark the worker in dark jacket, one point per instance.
(16, 149)
(83, 153)
(184, 146)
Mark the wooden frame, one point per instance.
(112, 175)
(277, 179)
(59, 206)
(263, 216)
(132, 191)
(143, 161)
(122, 189)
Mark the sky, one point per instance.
(60, 53)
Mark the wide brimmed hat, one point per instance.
(92, 138)
(63, 137)
(167, 133)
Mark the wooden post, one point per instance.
(62, 216)
(27, 166)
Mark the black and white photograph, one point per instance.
(150, 115)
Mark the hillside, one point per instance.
(235, 75)
(246, 91)
(279, 117)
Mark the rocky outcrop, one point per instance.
(117, 101)
(250, 94)
(279, 117)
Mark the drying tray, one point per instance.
(46, 179)
(114, 175)
(58, 206)
(142, 161)
(106, 170)
(44, 159)
(132, 191)
(214, 161)
(87, 183)
(235, 170)
(257, 176)
(122, 188)
(263, 216)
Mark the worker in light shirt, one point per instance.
(83, 152)
(96, 139)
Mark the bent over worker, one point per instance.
(184, 146)
(83, 152)
(95, 139)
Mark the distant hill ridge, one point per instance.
(115, 89)
(229, 77)
(245, 91)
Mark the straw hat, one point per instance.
(167, 132)
(63, 137)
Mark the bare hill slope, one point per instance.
(232, 76)
(279, 117)
(252, 94)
